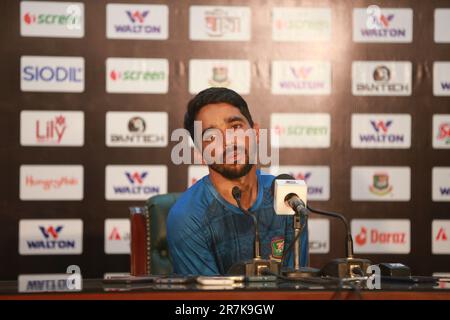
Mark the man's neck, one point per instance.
(248, 185)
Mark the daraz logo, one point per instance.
(136, 75)
(137, 16)
(51, 231)
(381, 126)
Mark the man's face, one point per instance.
(233, 154)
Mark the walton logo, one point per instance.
(219, 23)
(374, 236)
(312, 190)
(137, 75)
(380, 27)
(441, 236)
(51, 231)
(301, 76)
(220, 77)
(51, 131)
(381, 126)
(136, 177)
(136, 185)
(137, 16)
(51, 235)
(444, 133)
(380, 185)
(381, 133)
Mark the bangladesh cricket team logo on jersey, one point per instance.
(277, 245)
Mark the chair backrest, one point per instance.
(158, 207)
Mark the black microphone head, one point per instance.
(236, 192)
(283, 176)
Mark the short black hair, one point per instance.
(213, 96)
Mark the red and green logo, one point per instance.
(277, 245)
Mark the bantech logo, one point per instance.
(135, 182)
(136, 129)
(381, 235)
(141, 22)
(128, 75)
(52, 74)
(381, 130)
(50, 236)
(52, 19)
(381, 78)
(374, 24)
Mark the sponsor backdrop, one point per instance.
(358, 96)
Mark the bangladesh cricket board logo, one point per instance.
(277, 245)
(380, 184)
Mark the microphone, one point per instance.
(343, 267)
(236, 193)
(290, 199)
(256, 266)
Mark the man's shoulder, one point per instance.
(192, 202)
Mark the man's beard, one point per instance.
(232, 172)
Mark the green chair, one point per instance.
(158, 208)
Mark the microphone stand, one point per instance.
(343, 267)
(256, 266)
(300, 214)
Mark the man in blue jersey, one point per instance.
(206, 231)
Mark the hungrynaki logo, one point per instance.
(137, 129)
(441, 25)
(381, 184)
(317, 178)
(219, 23)
(128, 75)
(301, 77)
(141, 22)
(441, 131)
(441, 78)
(381, 78)
(51, 74)
(301, 24)
(441, 184)
(51, 128)
(374, 24)
(46, 237)
(51, 182)
(381, 131)
(232, 74)
(51, 19)
(135, 182)
(440, 232)
(195, 173)
(117, 236)
(319, 236)
(382, 236)
(301, 130)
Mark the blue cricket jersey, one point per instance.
(207, 234)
